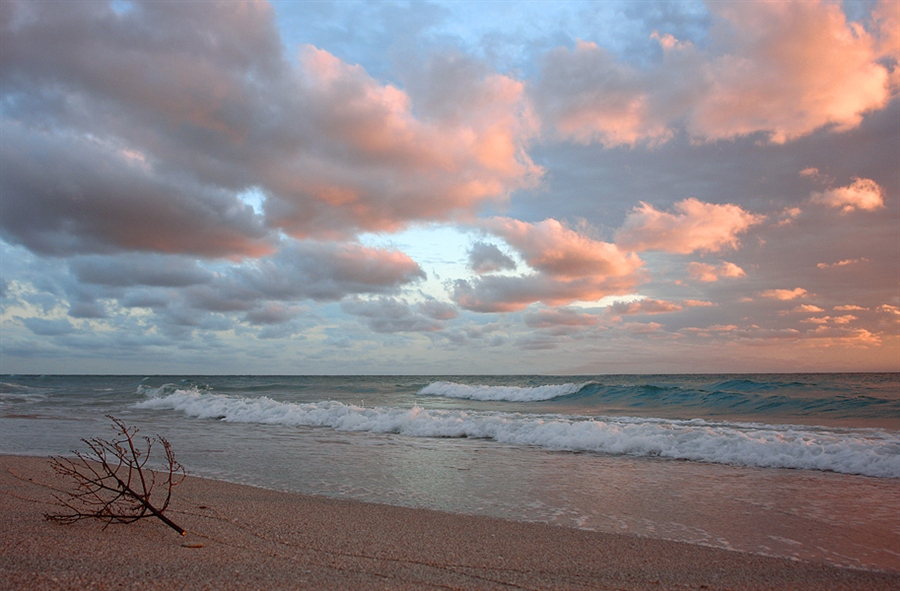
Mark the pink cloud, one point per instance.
(862, 194)
(378, 166)
(886, 20)
(785, 68)
(783, 294)
(642, 327)
(698, 226)
(647, 306)
(591, 97)
(808, 309)
(498, 293)
(569, 267)
(710, 273)
(842, 263)
(829, 336)
(891, 311)
(789, 68)
(550, 247)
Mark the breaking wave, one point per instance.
(869, 452)
(497, 393)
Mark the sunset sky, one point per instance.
(449, 187)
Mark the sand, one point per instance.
(254, 538)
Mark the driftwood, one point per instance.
(113, 483)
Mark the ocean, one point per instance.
(804, 466)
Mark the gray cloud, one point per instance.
(45, 327)
(64, 195)
(137, 269)
(487, 258)
(389, 315)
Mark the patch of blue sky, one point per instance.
(121, 7)
(253, 198)
(511, 36)
(441, 251)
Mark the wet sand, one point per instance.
(241, 537)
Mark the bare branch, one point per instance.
(112, 483)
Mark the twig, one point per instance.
(112, 483)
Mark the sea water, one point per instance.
(803, 466)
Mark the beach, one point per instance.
(242, 537)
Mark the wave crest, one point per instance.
(501, 393)
(869, 452)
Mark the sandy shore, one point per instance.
(259, 539)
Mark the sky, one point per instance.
(289, 187)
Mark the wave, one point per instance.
(19, 393)
(734, 397)
(868, 452)
(500, 393)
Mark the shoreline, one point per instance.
(256, 538)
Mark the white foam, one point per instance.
(870, 452)
(500, 393)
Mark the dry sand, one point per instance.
(259, 539)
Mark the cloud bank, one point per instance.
(289, 187)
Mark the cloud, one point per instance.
(389, 315)
(487, 258)
(640, 328)
(180, 294)
(886, 21)
(699, 226)
(437, 310)
(789, 68)
(99, 156)
(272, 313)
(842, 263)
(552, 248)
(845, 319)
(65, 194)
(646, 306)
(711, 273)
(782, 68)
(862, 194)
(569, 266)
(498, 293)
(556, 317)
(139, 269)
(808, 309)
(47, 327)
(591, 97)
(848, 308)
(375, 166)
(783, 294)
(326, 271)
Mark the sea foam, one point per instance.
(869, 452)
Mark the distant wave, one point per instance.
(500, 393)
(19, 393)
(759, 398)
(869, 452)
